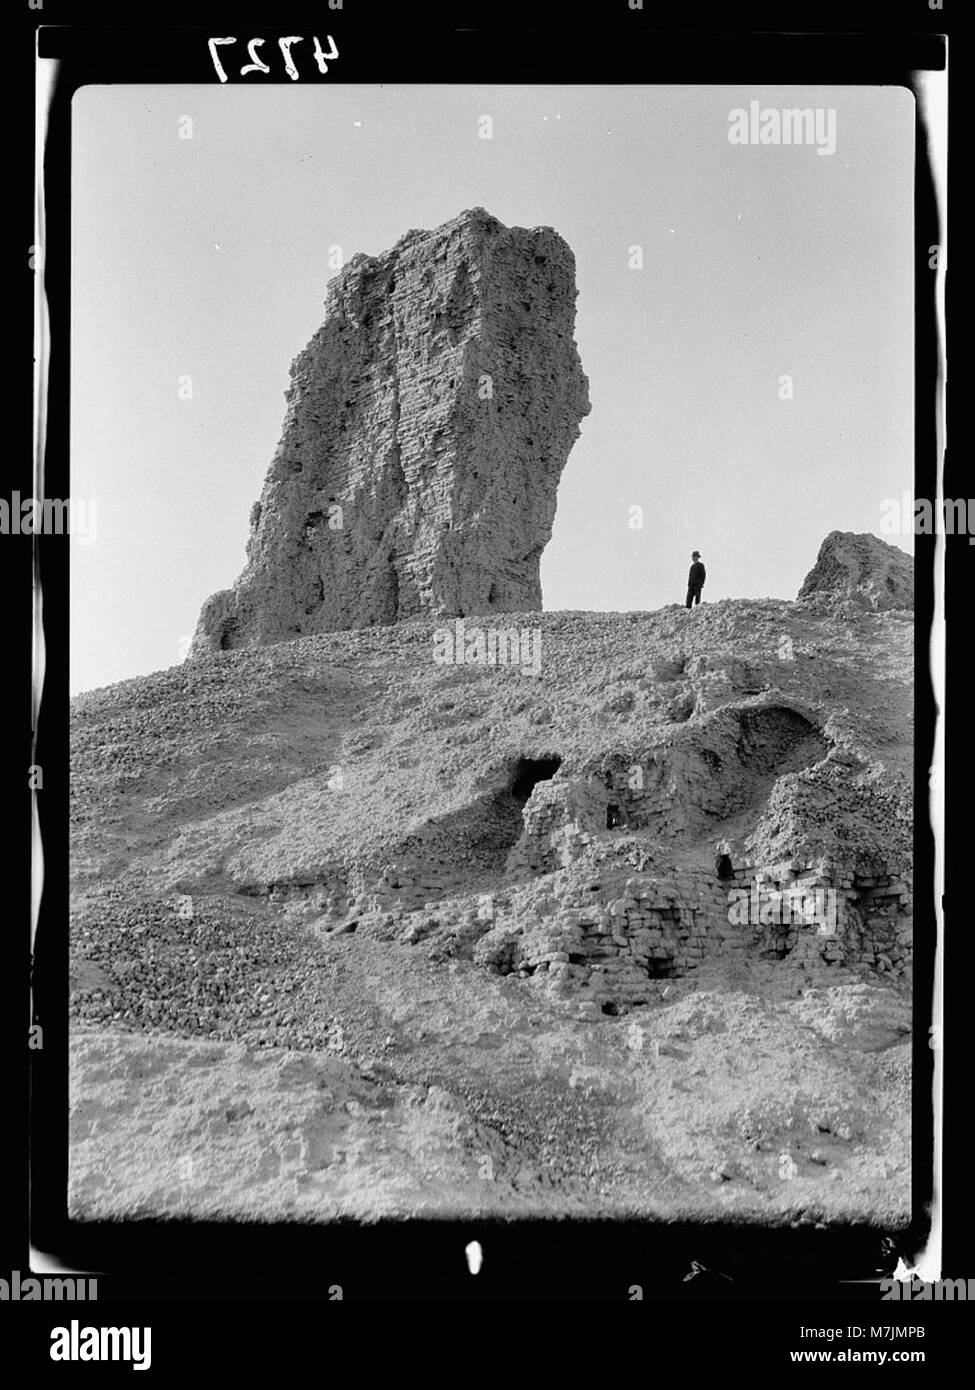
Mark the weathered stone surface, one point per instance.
(428, 424)
(861, 568)
(339, 849)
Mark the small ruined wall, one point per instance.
(866, 921)
(609, 953)
(558, 819)
(611, 948)
(884, 935)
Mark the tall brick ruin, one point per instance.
(428, 423)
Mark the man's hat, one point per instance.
(695, 555)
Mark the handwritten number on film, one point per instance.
(257, 64)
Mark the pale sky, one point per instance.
(208, 257)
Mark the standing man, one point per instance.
(695, 579)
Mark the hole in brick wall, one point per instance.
(614, 817)
(777, 952)
(724, 868)
(661, 969)
(528, 773)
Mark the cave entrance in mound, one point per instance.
(724, 868)
(528, 773)
(774, 740)
(492, 826)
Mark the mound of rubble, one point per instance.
(860, 569)
(454, 875)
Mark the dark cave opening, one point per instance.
(661, 969)
(724, 868)
(528, 773)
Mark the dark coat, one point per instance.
(697, 576)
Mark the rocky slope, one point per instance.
(860, 569)
(362, 929)
(428, 423)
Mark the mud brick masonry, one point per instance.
(428, 423)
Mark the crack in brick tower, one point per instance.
(428, 423)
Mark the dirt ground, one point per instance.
(248, 1041)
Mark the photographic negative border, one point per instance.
(410, 1260)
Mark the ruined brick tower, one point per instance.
(428, 423)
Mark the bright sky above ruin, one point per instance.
(207, 258)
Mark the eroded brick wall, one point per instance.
(428, 424)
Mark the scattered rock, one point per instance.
(863, 569)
